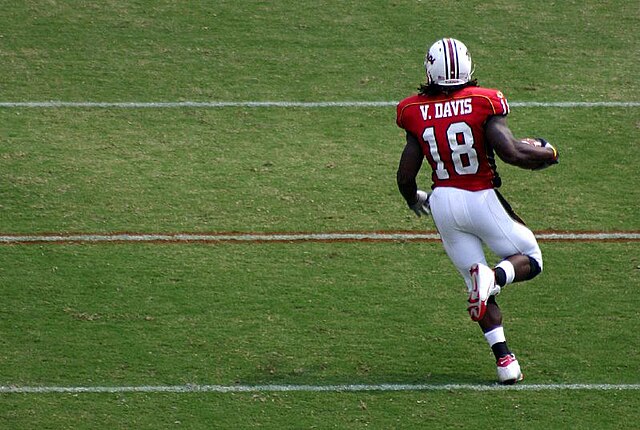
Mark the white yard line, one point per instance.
(346, 388)
(280, 104)
(284, 237)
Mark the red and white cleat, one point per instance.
(483, 286)
(509, 370)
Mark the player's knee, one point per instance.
(535, 267)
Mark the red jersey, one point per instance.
(450, 129)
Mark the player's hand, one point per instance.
(545, 144)
(421, 206)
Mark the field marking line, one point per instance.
(282, 104)
(10, 239)
(346, 388)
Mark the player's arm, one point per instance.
(512, 151)
(410, 163)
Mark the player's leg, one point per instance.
(508, 237)
(451, 211)
(518, 267)
(511, 240)
(507, 366)
(454, 212)
(450, 215)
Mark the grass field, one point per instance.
(134, 323)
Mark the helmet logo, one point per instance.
(430, 59)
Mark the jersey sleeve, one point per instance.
(399, 110)
(498, 103)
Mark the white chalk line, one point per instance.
(282, 104)
(213, 237)
(347, 388)
(284, 237)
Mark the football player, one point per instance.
(459, 127)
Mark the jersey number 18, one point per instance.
(463, 155)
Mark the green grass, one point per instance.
(337, 410)
(302, 313)
(305, 314)
(284, 169)
(372, 50)
(334, 410)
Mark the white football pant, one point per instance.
(466, 219)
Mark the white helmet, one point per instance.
(448, 63)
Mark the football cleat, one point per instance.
(509, 370)
(483, 285)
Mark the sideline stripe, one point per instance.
(287, 237)
(348, 388)
(281, 104)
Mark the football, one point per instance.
(531, 141)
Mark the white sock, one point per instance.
(509, 270)
(496, 335)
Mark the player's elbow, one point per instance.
(402, 178)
